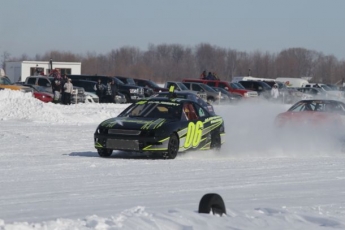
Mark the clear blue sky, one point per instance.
(81, 26)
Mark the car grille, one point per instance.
(122, 144)
(202, 96)
(252, 94)
(141, 91)
(124, 132)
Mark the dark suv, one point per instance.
(263, 89)
(150, 84)
(130, 81)
(131, 92)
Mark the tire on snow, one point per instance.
(212, 202)
(216, 140)
(173, 147)
(105, 152)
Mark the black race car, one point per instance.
(163, 126)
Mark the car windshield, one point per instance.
(265, 86)
(154, 109)
(118, 81)
(236, 85)
(319, 106)
(130, 81)
(152, 84)
(5, 81)
(327, 88)
(181, 86)
(207, 88)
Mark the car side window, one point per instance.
(189, 111)
(196, 87)
(31, 81)
(212, 84)
(43, 82)
(201, 112)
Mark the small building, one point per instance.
(20, 70)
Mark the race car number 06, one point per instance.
(194, 134)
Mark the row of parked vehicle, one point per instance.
(211, 91)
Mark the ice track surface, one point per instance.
(52, 178)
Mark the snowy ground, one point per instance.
(52, 178)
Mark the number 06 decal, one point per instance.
(194, 134)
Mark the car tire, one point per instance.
(105, 152)
(128, 98)
(216, 141)
(173, 147)
(210, 100)
(212, 202)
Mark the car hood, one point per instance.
(133, 123)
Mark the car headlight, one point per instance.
(133, 90)
(246, 94)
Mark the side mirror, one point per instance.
(226, 88)
(49, 85)
(260, 88)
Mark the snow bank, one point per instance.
(16, 105)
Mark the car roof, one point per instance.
(167, 99)
(320, 100)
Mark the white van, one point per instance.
(293, 82)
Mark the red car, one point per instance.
(41, 94)
(315, 113)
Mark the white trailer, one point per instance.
(19, 70)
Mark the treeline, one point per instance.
(174, 62)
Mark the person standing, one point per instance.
(63, 82)
(275, 92)
(108, 93)
(57, 88)
(68, 88)
(113, 91)
(99, 90)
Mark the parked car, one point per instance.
(332, 94)
(39, 80)
(150, 84)
(211, 94)
(132, 93)
(179, 86)
(89, 87)
(7, 84)
(263, 89)
(89, 90)
(315, 93)
(229, 86)
(131, 81)
(232, 97)
(41, 94)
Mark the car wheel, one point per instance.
(212, 202)
(173, 147)
(216, 140)
(210, 100)
(128, 98)
(105, 152)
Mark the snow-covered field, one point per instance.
(52, 178)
